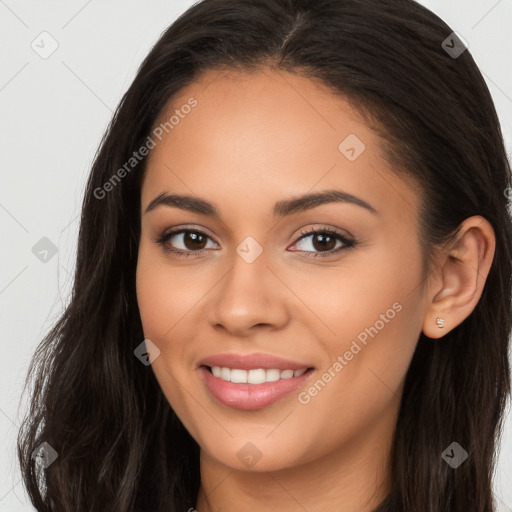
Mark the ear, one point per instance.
(457, 282)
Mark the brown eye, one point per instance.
(324, 242)
(194, 241)
(184, 242)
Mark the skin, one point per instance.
(251, 141)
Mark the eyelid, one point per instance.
(347, 240)
(180, 229)
(166, 234)
(304, 232)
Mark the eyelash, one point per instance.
(348, 244)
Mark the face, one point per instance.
(247, 280)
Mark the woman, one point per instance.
(293, 276)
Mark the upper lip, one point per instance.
(251, 361)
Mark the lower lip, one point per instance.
(250, 397)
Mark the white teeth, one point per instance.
(238, 376)
(257, 376)
(272, 375)
(225, 373)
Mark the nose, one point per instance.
(249, 297)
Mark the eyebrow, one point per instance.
(281, 208)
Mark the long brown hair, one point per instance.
(120, 445)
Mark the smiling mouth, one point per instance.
(254, 376)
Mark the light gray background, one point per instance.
(53, 112)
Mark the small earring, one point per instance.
(440, 322)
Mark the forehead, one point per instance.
(267, 134)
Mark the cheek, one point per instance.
(374, 315)
(370, 297)
(360, 386)
(151, 299)
(164, 294)
(164, 300)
